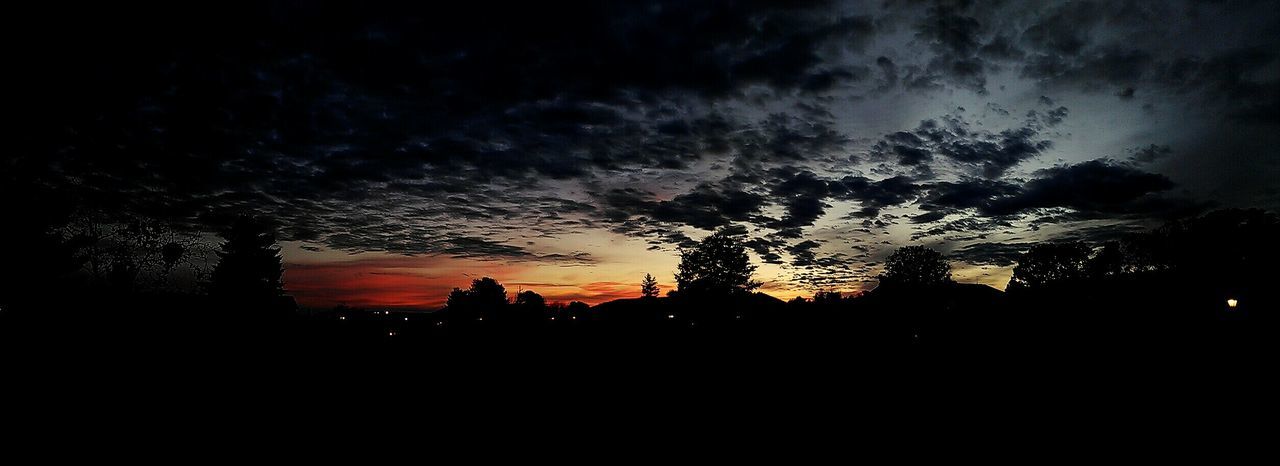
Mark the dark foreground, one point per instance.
(750, 328)
(655, 371)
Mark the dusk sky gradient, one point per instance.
(570, 148)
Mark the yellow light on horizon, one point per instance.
(1232, 303)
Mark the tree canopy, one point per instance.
(1051, 265)
(916, 266)
(718, 264)
(485, 293)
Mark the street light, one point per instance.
(1232, 303)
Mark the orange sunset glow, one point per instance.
(423, 282)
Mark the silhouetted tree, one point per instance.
(487, 292)
(39, 259)
(577, 310)
(126, 254)
(170, 254)
(1109, 262)
(528, 308)
(1051, 265)
(915, 266)
(717, 265)
(485, 299)
(249, 269)
(826, 297)
(530, 299)
(123, 274)
(649, 287)
(458, 300)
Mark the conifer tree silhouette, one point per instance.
(250, 267)
(649, 287)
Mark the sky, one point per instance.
(572, 147)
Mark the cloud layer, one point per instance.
(826, 133)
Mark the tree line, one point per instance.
(1224, 261)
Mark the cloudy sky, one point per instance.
(570, 148)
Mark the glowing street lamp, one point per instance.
(1232, 303)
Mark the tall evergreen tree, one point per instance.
(250, 267)
(649, 287)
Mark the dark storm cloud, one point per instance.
(1121, 47)
(299, 107)
(1149, 154)
(997, 254)
(875, 195)
(706, 207)
(986, 153)
(432, 130)
(1088, 190)
(785, 138)
(1128, 47)
(803, 194)
(1095, 187)
(956, 39)
(946, 198)
(966, 194)
(965, 227)
(802, 253)
(767, 248)
(1267, 113)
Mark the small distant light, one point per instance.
(671, 316)
(482, 318)
(342, 318)
(553, 318)
(391, 334)
(574, 317)
(1232, 302)
(406, 318)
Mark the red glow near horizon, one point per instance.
(425, 283)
